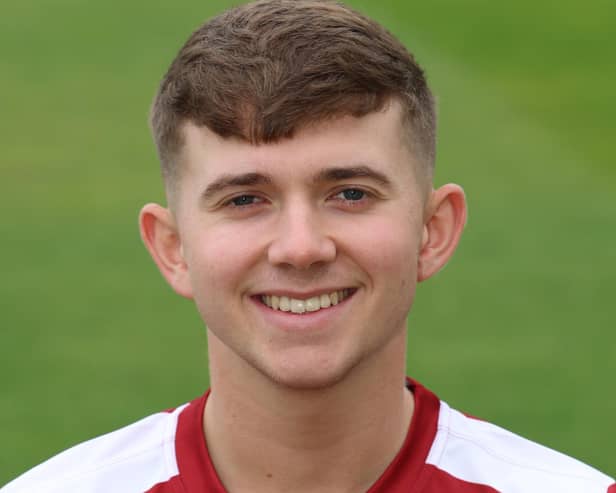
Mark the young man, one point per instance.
(297, 145)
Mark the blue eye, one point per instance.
(244, 200)
(353, 194)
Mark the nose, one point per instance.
(300, 240)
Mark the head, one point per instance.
(263, 71)
(297, 144)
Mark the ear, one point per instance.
(161, 237)
(443, 224)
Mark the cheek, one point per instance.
(388, 249)
(389, 256)
(216, 261)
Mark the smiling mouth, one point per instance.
(310, 305)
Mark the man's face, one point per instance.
(302, 255)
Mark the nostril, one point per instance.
(302, 255)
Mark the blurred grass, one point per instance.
(517, 330)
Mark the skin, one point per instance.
(339, 206)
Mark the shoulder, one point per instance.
(477, 452)
(129, 460)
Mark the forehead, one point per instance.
(378, 137)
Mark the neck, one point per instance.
(265, 437)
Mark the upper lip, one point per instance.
(290, 293)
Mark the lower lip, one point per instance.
(307, 321)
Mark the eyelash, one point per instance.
(364, 195)
(255, 200)
(232, 201)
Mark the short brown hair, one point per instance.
(264, 70)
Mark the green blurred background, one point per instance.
(518, 329)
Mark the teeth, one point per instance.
(298, 306)
(325, 301)
(285, 304)
(313, 304)
(294, 305)
(334, 298)
(275, 302)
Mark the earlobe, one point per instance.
(161, 237)
(443, 226)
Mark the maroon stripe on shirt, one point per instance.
(197, 473)
(406, 472)
(173, 485)
(612, 489)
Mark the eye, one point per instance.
(244, 200)
(354, 198)
(351, 194)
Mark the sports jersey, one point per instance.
(444, 452)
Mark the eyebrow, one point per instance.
(348, 173)
(228, 181)
(325, 175)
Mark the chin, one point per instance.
(308, 377)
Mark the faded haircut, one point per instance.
(262, 71)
